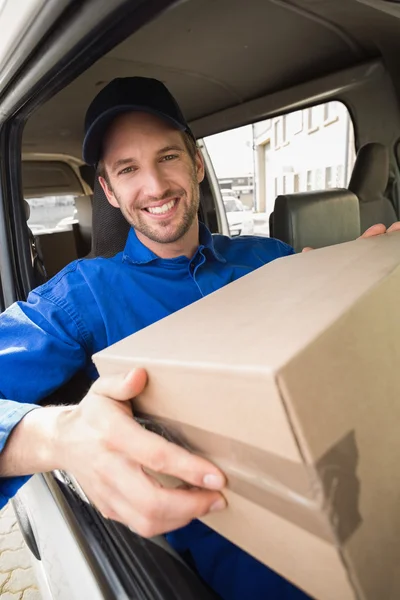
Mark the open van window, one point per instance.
(306, 150)
(51, 213)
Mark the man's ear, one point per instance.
(200, 170)
(108, 192)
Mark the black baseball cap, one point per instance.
(124, 95)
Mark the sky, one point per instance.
(231, 152)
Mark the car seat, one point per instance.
(369, 182)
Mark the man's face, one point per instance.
(151, 176)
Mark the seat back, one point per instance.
(271, 224)
(109, 227)
(369, 181)
(56, 249)
(316, 219)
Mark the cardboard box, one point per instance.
(289, 379)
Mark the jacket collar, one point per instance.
(137, 253)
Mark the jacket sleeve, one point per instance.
(42, 344)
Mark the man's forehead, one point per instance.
(138, 122)
(141, 130)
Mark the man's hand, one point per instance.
(106, 450)
(378, 229)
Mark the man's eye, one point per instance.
(168, 157)
(126, 170)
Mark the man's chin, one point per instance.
(163, 235)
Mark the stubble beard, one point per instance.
(159, 233)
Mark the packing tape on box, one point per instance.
(322, 498)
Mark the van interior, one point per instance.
(230, 64)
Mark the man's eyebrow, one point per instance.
(121, 162)
(175, 147)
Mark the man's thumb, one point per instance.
(119, 387)
(136, 379)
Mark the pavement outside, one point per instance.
(17, 577)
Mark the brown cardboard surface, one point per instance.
(289, 379)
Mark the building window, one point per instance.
(285, 185)
(309, 181)
(280, 132)
(319, 180)
(311, 121)
(288, 183)
(340, 176)
(329, 183)
(277, 142)
(284, 130)
(294, 123)
(279, 185)
(331, 112)
(314, 118)
(296, 183)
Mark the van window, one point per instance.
(51, 213)
(306, 150)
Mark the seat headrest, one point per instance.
(84, 213)
(109, 227)
(370, 175)
(316, 219)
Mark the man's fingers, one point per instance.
(378, 229)
(394, 227)
(157, 454)
(121, 387)
(152, 510)
(177, 504)
(176, 508)
(307, 249)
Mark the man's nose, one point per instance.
(154, 183)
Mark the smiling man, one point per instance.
(157, 187)
(150, 168)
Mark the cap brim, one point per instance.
(92, 143)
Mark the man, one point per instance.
(150, 168)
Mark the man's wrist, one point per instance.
(36, 444)
(55, 448)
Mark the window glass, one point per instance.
(51, 213)
(230, 205)
(306, 150)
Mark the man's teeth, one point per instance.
(159, 210)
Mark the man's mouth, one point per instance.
(163, 209)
